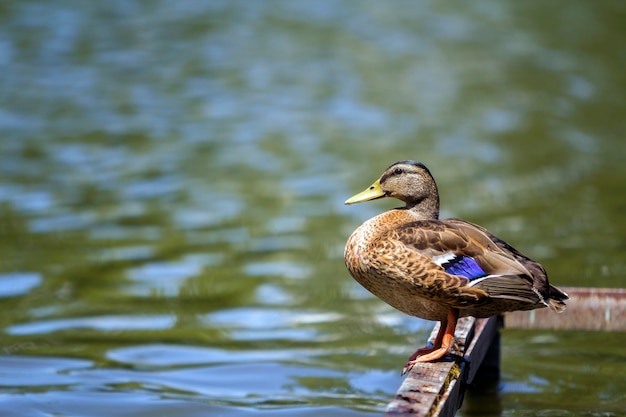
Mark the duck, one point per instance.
(439, 269)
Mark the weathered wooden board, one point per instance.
(436, 389)
(602, 309)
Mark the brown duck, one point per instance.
(439, 269)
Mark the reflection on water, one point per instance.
(18, 283)
(172, 183)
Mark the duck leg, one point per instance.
(443, 342)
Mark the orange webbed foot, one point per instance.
(444, 342)
(430, 355)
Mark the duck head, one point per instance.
(408, 181)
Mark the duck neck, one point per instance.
(425, 209)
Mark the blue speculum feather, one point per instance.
(464, 266)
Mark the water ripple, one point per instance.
(18, 283)
(100, 323)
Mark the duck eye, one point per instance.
(398, 171)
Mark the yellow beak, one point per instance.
(371, 193)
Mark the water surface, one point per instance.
(172, 179)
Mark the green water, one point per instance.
(172, 179)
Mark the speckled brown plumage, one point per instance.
(439, 269)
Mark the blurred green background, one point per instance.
(172, 179)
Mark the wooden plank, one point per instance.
(436, 389)
(602, 309)
(421, 389)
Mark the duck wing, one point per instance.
(550, 295)
(472, 256)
